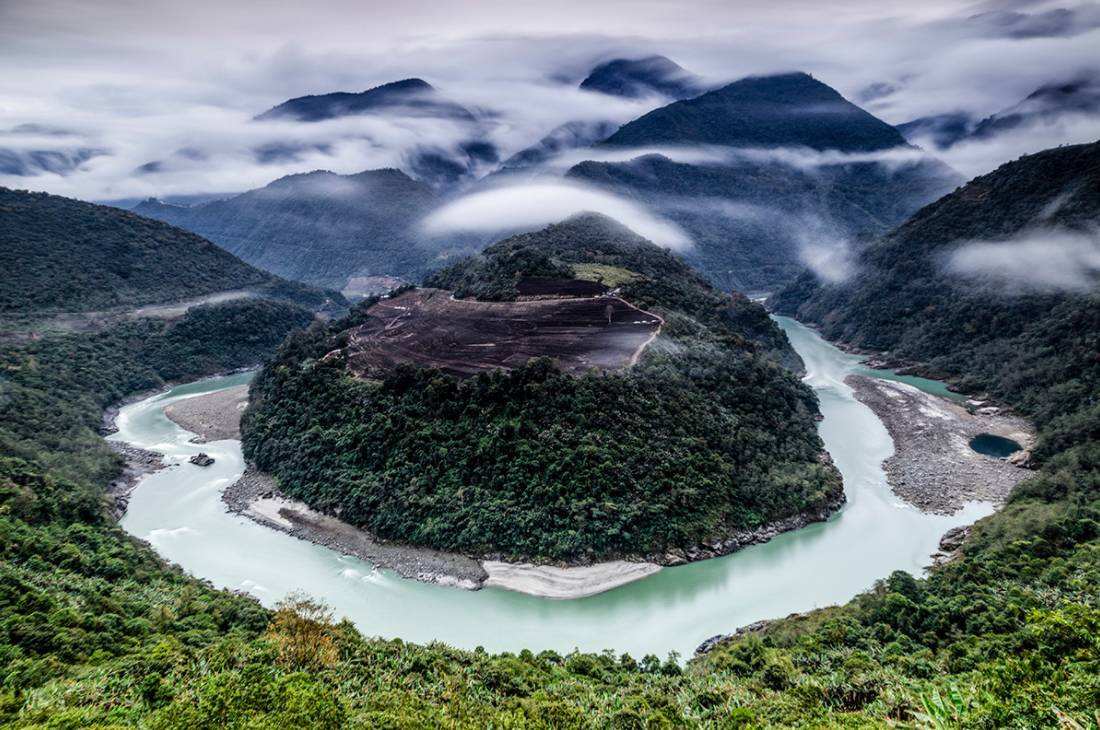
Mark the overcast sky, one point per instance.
(145, 78)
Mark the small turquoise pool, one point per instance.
(996, 446)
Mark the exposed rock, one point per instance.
(139, 462)
(953, 539)
(201, 459)
(211, 416)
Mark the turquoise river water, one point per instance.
(180, 512)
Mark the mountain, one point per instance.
(321, 227)
(635, 78)
(763, 111)
(1043, 106)
(63, 255)
(993, 285)
(941, 130)
(757, 212)
(32, 149)
(1046, 105)
(568, 136)
(409, 97)
(579, 394)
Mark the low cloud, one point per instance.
(1038, 261)
(525, 207)
(975, 157)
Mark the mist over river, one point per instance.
(180, 512)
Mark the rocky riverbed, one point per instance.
(139, 462)
(933, 466)
(212, 417)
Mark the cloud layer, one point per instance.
(143, 81)
(528, 206)
(1038, 261)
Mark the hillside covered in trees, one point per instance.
(990, 286)
(64, 255)
(707, 435)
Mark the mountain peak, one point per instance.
(639, 77)
(412, 96)
(789, 109)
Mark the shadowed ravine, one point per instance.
(180, 512)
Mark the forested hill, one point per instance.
(671, 454)
(594, 247)
(64, 255)
(320, 227)
(995, 285)
(763, 111)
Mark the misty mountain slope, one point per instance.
(941, 130)
(763, 111)
(999, 280)
(414, 97)
(406, 419)
(638, 77)
(1047, 105)
(568, 136)
(320, 227)
(63, 255)
(759, 216)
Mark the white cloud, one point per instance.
(524, 207)
(1037, 261)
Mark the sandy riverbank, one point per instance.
(256, 496)
(213, 416)
(933, 466)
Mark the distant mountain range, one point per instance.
(635, 78)
(321, 227)
(412, 97)
(1045, 105)
(754, 208)
(64, 255)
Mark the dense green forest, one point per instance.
(706, 436)
(64, 255)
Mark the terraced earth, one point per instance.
(430, 328)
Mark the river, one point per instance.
(179, 511)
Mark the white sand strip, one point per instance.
(548, 581)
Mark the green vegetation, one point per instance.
(701, 439)
(62, 255)
(610, 276)
(95, 631)
(1036, 350)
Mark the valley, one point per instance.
(180, 510)
(572, 365)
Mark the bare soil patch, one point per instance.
(429, 328)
